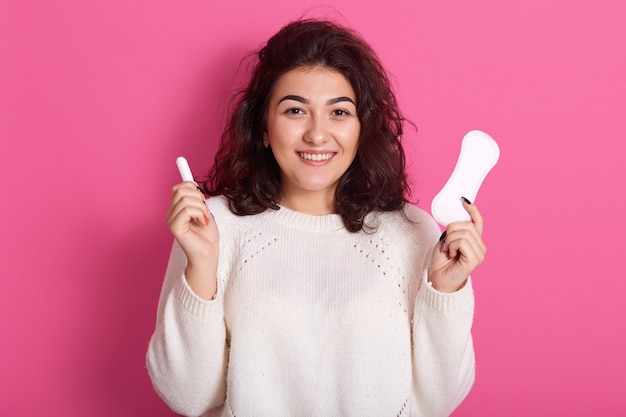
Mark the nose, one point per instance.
(316, 132)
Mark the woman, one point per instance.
(308, 285)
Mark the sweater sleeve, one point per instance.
(443, 352)
(187, 354)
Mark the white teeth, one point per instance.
(315, 156)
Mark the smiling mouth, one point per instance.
(317, 157)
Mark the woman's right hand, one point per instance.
(195, 230)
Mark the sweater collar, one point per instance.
(298, 220)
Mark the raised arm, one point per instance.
(187, 355)
(443, 356)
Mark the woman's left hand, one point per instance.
(458, 253)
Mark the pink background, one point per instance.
(97, 98)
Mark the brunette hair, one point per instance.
(247, 174)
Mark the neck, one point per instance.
(315, 203)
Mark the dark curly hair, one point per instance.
(248, 175)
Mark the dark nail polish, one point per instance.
(466, 200)
(443, 235)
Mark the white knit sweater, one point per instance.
(312, 320)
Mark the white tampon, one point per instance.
(185, 172)
(479, 153)
(183, 168)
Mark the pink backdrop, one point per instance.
(97, 98)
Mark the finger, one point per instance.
(469, 253)
(469, 241)
(190, 205)
(187, 190)
(181, 219)
(201, 191)
(474, 213)
(187, 202)
(464, 226)
(467, 231)
(188, 186)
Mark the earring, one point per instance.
(266, 144)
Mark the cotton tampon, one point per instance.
(183, 168)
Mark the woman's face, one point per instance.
(313, 131)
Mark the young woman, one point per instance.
(307, 285)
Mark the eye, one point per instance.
(340, 113)
(294, 111)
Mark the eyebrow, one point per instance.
(329, 102)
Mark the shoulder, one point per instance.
(420, 217)
(232, 225)
(218, 205)
(411, 222)
(224, 217)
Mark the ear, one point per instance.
(266, 142)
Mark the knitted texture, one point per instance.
(312, 320)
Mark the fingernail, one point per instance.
(466, 200)
(206, 220)
(200, 189)
(442, 247)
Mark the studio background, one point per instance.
(98, 98)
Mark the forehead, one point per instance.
(311, 82)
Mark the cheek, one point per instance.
(352, 141)
(282, 135)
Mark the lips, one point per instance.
(316, 157)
